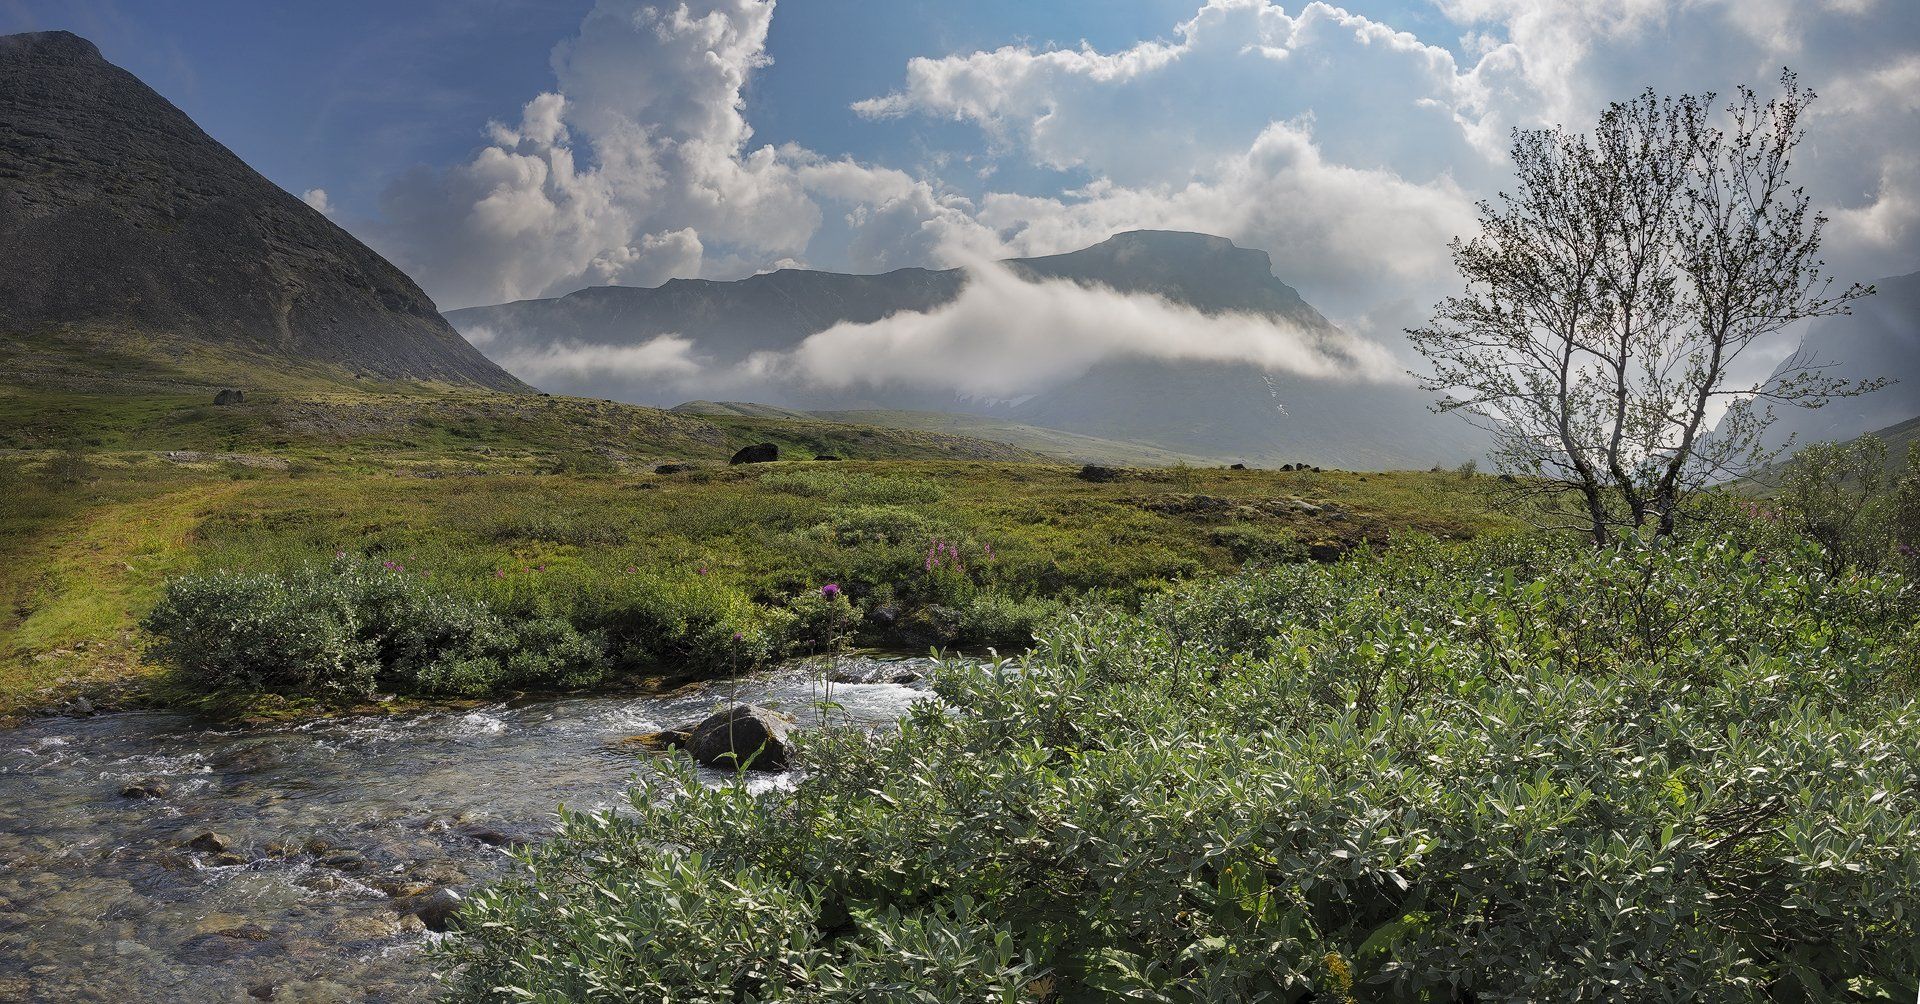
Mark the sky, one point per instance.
(505, 149)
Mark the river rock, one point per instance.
(146, 788)
(874, 673)
(438, 909)
(743, 732)
(759, 453)
(210, 842)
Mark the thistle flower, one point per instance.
(830, 591)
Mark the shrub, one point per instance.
(855, 488)
(260, 632)
(352, 626)
(1511, 772)
(681, 624)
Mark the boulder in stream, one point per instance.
(210, 842)
(742, 732)
(436, 909)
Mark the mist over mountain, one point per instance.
(121, 218)
(1880, 339)
(1179, 340)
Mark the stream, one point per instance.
(105, 894)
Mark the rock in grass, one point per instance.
(759, 453)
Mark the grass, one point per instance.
(81, 562)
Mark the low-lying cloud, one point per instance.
(574, 364)
(1005, 337)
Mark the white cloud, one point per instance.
(1005, 337)
(666, 357)
(1349, 149)
(317, 199)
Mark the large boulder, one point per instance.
(743, 733)
(759, 453)
(230, 396)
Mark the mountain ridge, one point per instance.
(1209, 409)
(119, 214)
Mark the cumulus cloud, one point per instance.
(1006, 337)
(638, 167)
(1348, 148)
(317, 198)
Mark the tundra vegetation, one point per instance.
(1671, 754)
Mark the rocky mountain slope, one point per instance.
(1196, 408)
(1880, 339)
(122, 220)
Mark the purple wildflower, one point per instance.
(831, 590)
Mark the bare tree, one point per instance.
(1609, 297)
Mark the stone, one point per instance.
(230, 396)
(1098, 474)
(211, 842)
(147, 788)
(874, 673)
(743, 732)
(1236, 467)
(437, 909)
(671, 468)
(759, 453)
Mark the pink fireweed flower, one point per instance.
(631, 569)
(702, 570)
(499, 573)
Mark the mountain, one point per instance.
(1192, 408)
(123, 223)
(1881, 338)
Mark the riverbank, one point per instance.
(333, 834)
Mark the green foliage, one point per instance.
(1847, 498)
(854, 487)
(66, 469)
(351, 627)
(1518, 770)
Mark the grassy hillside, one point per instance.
(1052, 442)
(92, 538)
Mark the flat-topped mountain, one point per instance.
(1202, 408)
(121, 218)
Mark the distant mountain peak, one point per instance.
(120, 217)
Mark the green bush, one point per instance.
(351, 627)
(260, 632)
(855, 487)
(1863, 511)
(1512, 772)
(685, 624)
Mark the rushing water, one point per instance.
(102, 899)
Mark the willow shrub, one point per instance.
(1510, 772)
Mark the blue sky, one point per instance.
(343, 96)
(720, 137)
